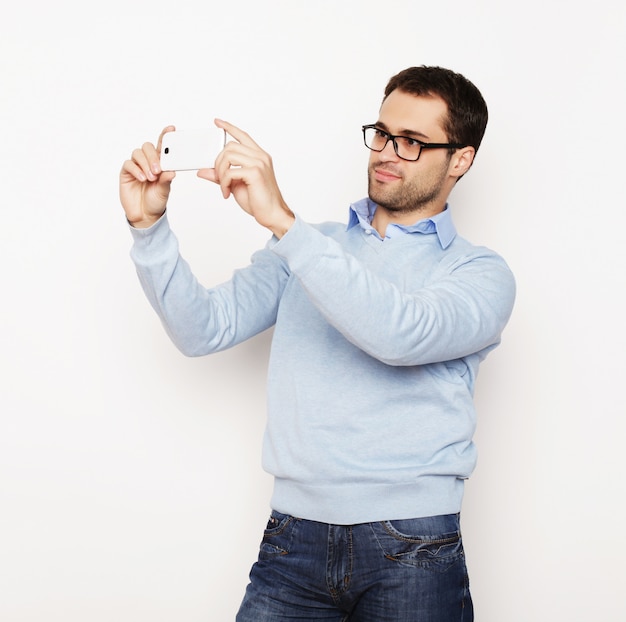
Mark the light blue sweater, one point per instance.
(374, 356)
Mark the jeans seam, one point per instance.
(398, 536)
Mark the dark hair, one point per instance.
(467, 111)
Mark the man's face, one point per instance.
(400, 186)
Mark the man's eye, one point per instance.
(409, 142)
(380, 133)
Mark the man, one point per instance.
(379, 330)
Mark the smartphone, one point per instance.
(190, 150)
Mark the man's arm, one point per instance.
(200, 320)
(461, 310)
(464, 312)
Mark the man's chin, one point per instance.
(383, 200)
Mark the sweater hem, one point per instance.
(355, 503)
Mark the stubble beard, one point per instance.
(408, 196)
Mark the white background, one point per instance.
(130, 478)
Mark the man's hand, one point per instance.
(144, 188)
(244, 170)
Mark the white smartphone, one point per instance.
(190, 150)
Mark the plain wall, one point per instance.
(130, 479)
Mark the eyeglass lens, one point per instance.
(405, 147)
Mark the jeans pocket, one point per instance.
(432, 542)
(277, 535)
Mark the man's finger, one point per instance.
(169, 128)
(238, 134)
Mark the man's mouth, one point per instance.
(384, 175)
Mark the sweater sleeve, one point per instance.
(461, 311)
(203, 320)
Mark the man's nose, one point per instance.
(388, 153)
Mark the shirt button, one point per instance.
(368, 232)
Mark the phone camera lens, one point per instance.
(167, 149)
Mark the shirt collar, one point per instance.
(362, 212)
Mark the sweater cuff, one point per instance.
(152, 245)
(147, 235)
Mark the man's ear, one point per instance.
(462, 161)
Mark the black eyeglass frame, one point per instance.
(392, 138)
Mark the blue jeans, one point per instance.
(397, 571)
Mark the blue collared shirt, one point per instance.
(362, 212)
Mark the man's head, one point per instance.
(430, 124)
(467, 115)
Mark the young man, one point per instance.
(380, 326)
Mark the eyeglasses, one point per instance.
(405, 147)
